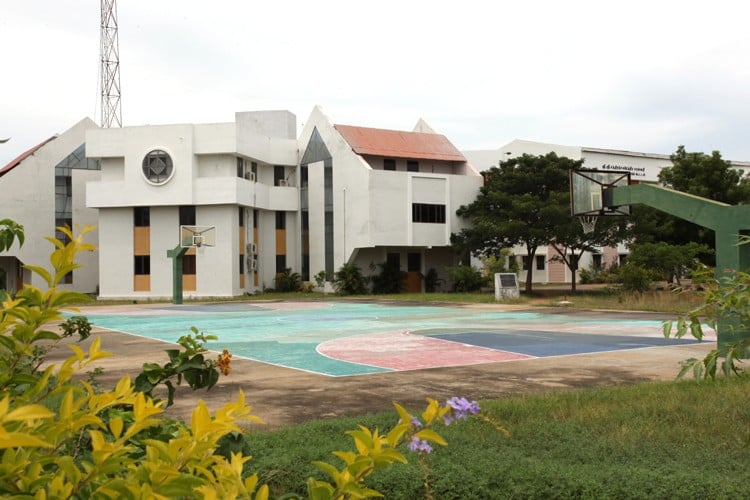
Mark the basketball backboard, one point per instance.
(197, 236)
(589, 192)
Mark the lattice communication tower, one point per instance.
(110, 66)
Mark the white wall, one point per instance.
(27, 196)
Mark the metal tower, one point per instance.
(110, 66)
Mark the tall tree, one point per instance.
(522, 202)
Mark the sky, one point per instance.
(642, 76)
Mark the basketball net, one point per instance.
(588, 222)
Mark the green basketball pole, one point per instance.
(727, 222)
(176, 255)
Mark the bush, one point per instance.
(390, 280)
(431, 281)
(466, 279)
(61, 438)
(595, 274)
(288, 281)
(349, 280)
(635, 278)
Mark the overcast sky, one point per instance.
(639, 75)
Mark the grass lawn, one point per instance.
(656, 440)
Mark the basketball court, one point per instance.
(344, 338)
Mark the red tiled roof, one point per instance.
(14, 163)
(398, 144)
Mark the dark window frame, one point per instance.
(142, 265)
(141, 216)
(541, 261)
(428, 213)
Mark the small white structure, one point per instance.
(506, 286)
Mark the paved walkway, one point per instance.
(282, 396)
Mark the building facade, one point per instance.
(338, 194)
(42, 189)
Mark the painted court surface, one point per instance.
(342, 338)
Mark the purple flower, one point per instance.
(461, 408)
(419, 445)
(415, 422)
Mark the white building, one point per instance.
(339, 194)
(370, 195)
(41, 189)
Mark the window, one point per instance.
(187, 215)
(188, 264)
(305, 220)
(242, 264)
(412, 166)
(255, 217)
(623, 258)
(280, 220)
(280, 263)
(393, 259)
(525, 261)
(596, 260)
(389, 164)
(278, 176)
(142, 264)
(303, 176)
(240, 167)
(413, 262)
(428, 213)
(540, 260)
(157, 167)
(141, 216)
(241, 216)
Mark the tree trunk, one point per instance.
(573, 268)
(530, 271)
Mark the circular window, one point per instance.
(157, 166)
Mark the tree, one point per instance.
(522, 202)
(665, 261)
(570, 241)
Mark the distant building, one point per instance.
(41, 189)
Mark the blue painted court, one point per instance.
(344, 339)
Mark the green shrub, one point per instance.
(431, 281)
(288, 281)
(635, 278)
(466, 279)
(61, 438)
(349, 280)
(391, 279)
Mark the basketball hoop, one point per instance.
(588, 222)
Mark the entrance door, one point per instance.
(414, 273)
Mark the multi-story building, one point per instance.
(339, 194)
